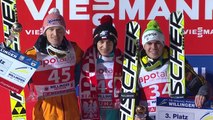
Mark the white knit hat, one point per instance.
(152, 32)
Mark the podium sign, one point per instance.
(182, 109)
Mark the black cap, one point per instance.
(105, 31)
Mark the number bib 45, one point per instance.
(55, 76)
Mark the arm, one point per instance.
(79, 53)
(197, 85)
(77, 74)
(31, 95)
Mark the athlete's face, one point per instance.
(105, 47)
(55, 35)
(154, 49)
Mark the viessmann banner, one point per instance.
(82, 16)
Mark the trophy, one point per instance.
(140, 113)
(14, 31)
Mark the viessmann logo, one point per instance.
(199, 31)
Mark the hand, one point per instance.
(199, 100)
(32, 96)
(140, 119)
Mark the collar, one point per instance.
(102, 58)
(150, 64)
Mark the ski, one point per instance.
(11, 28)
(130, 70)
(177, 55)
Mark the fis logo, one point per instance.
(207, 116)
(23, 70)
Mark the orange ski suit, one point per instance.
(62, 107)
